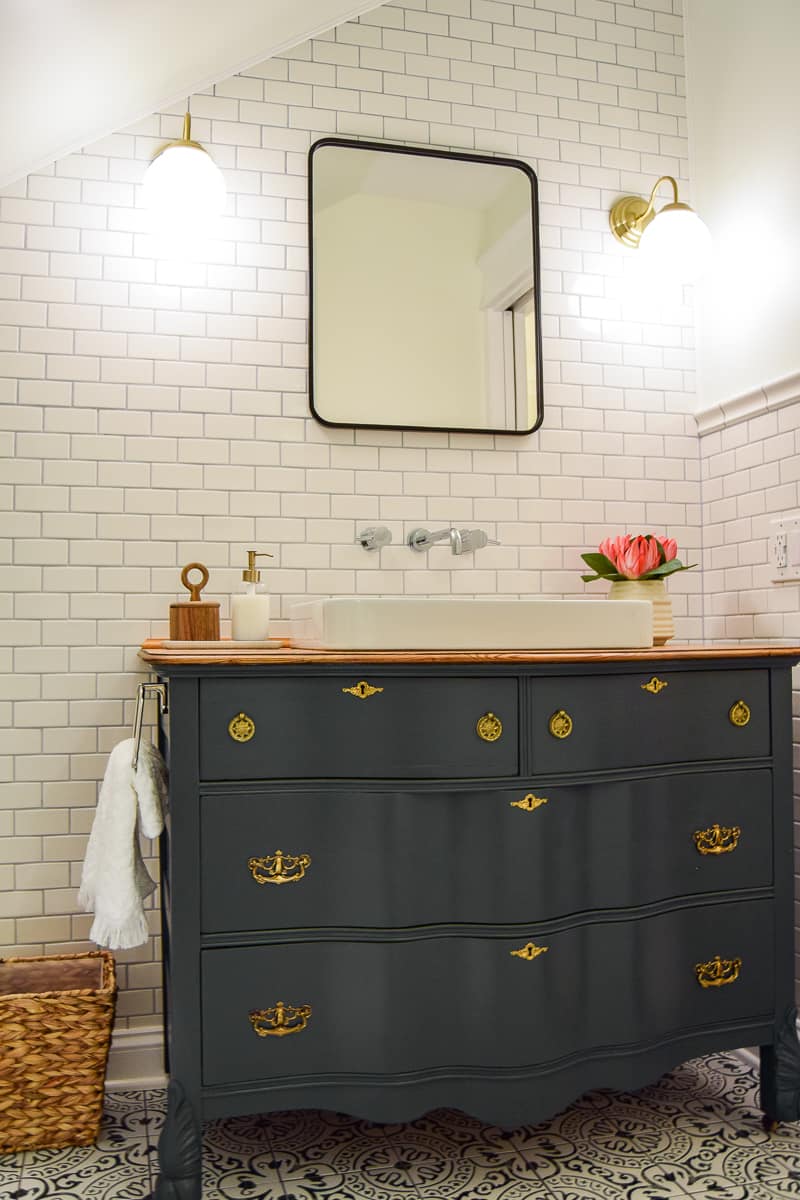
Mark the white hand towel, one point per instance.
(115, 880)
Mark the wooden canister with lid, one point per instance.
(194, 620)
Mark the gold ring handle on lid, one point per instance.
(718, 972)
(489, 727)
(529, 803)
(717, 839)
(654, 685)
(281, 1020)
(560, 724)
(241, 727)
(279, 867)
(739, 714)
(362, 690)
(529, 951)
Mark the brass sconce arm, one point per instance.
(631, 215)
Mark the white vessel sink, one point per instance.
(463, 623)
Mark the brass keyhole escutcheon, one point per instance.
(242, 727)
(529, 951)
(654, 685)
(362, 690)
(489, 727)
(560, 724)
(529, 803)
(739, 714)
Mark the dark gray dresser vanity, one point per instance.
(396, 881)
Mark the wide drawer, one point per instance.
(466, 1002)
(616, 721)
(291, 858)
(358, 726)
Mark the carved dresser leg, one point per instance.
(780, 1072)
(180, 1150)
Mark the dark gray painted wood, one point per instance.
(436, 1002)
(618, 724)
(400, 939)
(395, 858)
(310, 728)
(504, 1098)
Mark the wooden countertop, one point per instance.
(153, 652)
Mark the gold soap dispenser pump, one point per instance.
(250, 608)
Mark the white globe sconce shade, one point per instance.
(675, 244)
(183, 187)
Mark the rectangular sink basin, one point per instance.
(464, 623)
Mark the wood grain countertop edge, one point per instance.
(152, 652)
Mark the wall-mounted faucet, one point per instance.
(374, 538)
(462, 541)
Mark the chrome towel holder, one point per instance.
(143, 692)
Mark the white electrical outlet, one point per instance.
(784, 548)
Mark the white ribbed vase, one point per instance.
(654, 590)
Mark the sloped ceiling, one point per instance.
(73, 71)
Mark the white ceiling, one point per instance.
(73, 71)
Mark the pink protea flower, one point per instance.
(634, 556)
(640, 555)
(613, 547)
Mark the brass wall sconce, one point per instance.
(183, 186)
(674, 239)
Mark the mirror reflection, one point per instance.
(424, 289)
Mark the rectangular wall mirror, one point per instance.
(424, 289)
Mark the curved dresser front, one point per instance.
(488, 882)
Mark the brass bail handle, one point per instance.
(194, 589)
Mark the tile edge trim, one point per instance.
(780, 393)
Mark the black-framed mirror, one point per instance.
(425, 298)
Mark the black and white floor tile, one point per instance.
(696, 1134)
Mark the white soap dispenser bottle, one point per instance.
(250, 609)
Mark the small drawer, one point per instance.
(308, 858)
(304, 1008)
(633, 720)
(358, 726)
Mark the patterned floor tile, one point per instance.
(10, 1173)
(695, 1134)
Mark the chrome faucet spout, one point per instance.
(462, 541)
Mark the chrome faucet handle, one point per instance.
(423, 539)
(462, 541)
(374, 538)
(474, 539)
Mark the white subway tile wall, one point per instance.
(751, 475)
(156, 412)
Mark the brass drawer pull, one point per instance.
(560, 724)
(362, 690)
(281, 1020)
(718, 972)
(242, 727)
(279, 867)
(529, 803)
(718, 839)
(529, 951)
(739, 714)
(655, 685)
(489, 727)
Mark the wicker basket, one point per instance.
(56, 1014)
